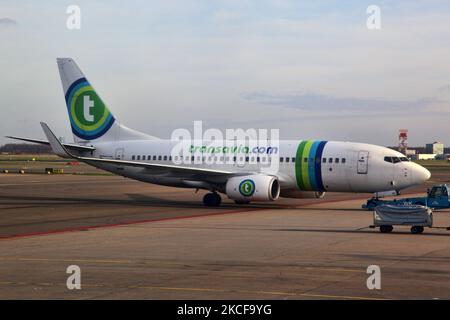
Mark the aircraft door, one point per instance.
(363, 162)
(119, 154)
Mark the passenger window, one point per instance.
(234, 159)
(192, 158)
(165, 158)
(293, 159)
(133, 157)
(159, 158)
(247, 159)
(330, 160)
(281, 159)
(287, 159)
(176, 158)
(305, 160)
(343, 160)
(154, 157)
(324, 160)
(170, 158)
(139, 157)
(336, 160)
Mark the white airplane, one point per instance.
(305, 168)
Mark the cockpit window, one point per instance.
(395, 159)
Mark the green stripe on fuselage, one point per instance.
(304, 165)
(298, 165)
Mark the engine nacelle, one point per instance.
(256, 187)
(301, 194)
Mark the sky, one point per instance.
(309, 68)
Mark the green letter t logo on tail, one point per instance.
(89, 117)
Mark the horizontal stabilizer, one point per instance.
(69, 146)
(56, 145)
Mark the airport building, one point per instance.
(435, 148)
(425, 156)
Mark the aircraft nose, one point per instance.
(421, 174)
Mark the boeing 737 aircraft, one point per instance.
(305, 168)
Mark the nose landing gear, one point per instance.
(212, 199)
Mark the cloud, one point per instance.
(314, 103)
(7, 22)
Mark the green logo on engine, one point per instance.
(247, 188)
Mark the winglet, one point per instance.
(56, 145)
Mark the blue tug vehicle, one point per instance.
(437, 198)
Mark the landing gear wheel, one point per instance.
(416, 229)
(386, 229)
(241, 201)
(212, 199)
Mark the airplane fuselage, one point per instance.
(306, 165)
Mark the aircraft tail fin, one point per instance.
(90, 118)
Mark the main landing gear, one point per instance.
(212, 199)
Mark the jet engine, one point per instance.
(256, 187)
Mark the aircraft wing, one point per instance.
(199, 173)
(69, 146)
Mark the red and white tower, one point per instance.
(403, 141)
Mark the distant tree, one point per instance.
(25, 148)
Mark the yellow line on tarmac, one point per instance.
(336, 269)
(273, 293)
(147, 262)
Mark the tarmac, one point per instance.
(133, 240)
